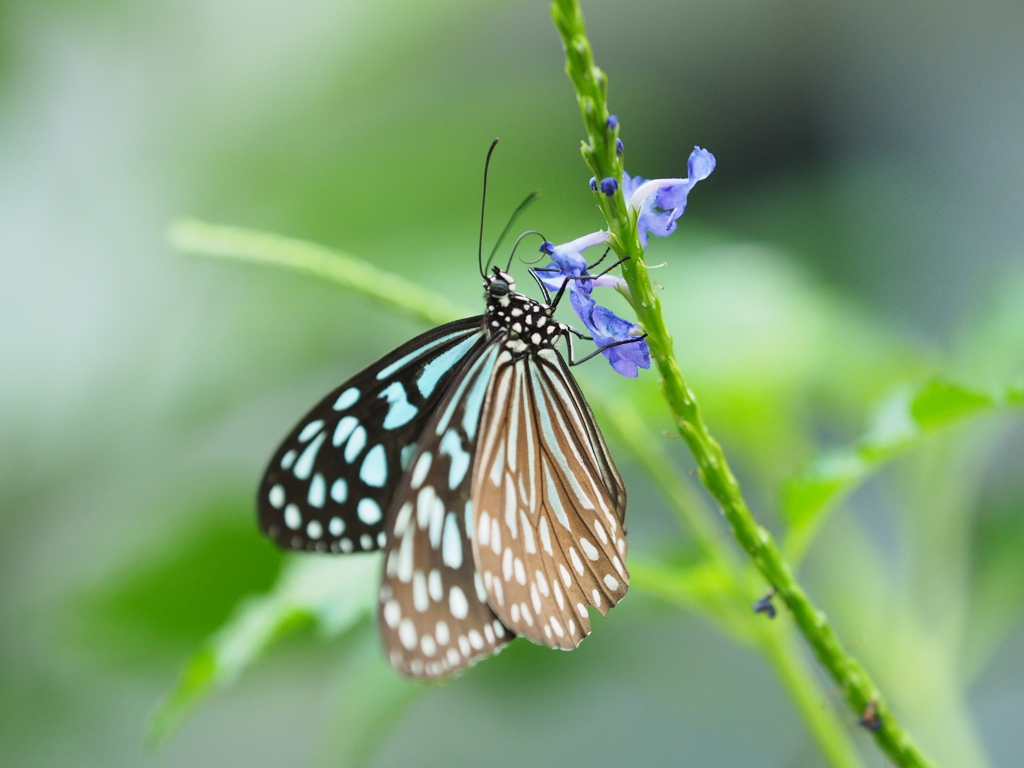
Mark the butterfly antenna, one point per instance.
(518, 241)
(483, 207)
(512, 220)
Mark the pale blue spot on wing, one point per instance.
(336, 526)
(555, 501)
(355, 444)
(339, 491)
(406, 456)
(346, 399)
(474, 404)
(374, 471)
(317, 491)
(400, 410)
(451, 444)
(403, 361)
(369, 512)
(481, 371)
(343, 430)
(310, 429)
(439, 366)
(469, 520)
(304, 466)
(288, 459)
(292, 517)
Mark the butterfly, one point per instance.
(471, 458)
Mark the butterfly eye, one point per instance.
(498, 287)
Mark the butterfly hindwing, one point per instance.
(433, 609)
(331, 481)
(549, 504)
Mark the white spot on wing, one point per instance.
(457, 603)
(589, 549)
(369, 512)
(419, 591)
(576, 562)
(435, 588)
(292, 517)
(451, 552)
(407, 633)
(276, 496)
(419, 473)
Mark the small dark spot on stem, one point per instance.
(765, 605)
(870, 719)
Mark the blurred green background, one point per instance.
(862, 230)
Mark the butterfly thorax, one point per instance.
(528, 325)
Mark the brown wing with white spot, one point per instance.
(433, 610)
(549, 504)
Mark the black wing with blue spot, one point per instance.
(331, 482)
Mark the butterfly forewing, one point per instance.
(332, 480)
(548, 504)
(433, 610)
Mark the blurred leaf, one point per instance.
(315, 260)
(705, 588)
(902, 421)
(764, 346)
(370, 696)
(176, 597)
(331, 593)
(997, 602)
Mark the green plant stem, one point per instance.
(599, 152)
(712, 593)
(315, 260)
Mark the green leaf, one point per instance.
(165, 601)
(331, 593)
(902, 421)
(942, 401)
(706, 588)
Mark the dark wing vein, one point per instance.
(549, 504)
(433, 611)
(329, 484)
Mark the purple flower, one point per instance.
(607, 328)
(603, 325)
(609, 186)
(661, 202)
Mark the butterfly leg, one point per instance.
(553, 303)
(596, 352)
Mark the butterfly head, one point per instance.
(499, 286)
